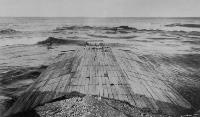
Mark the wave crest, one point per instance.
(184, 25)
(118, 28)
(63, 28)
(57, 41)
(112, 37)
(8, 31)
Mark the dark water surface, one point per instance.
(171, 45)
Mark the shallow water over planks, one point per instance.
(100, 70)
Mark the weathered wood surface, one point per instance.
(100, 70)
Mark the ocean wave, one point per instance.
(8, 31)
(184, 25)
(21, 73)
(162, 38)
(175, 32)
(98, 36)
(52, 40)
(63, 28)
(185, 33)
(151, 30)
(197, 42)
(118, 28)
(118, 45)
(118, 31)
(137, 40)
(194, 33)
(112, 37)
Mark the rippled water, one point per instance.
(32, 30)
(19, 36)
(28, 43)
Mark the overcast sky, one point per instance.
(101, 8)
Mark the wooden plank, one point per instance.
(108, 86)
(106, 72)
(61, 86)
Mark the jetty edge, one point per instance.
(97, 69)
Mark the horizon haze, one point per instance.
(97, 8)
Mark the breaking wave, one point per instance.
(57, 41)
(196, 42)
(8, 31)
(194, 33)
(63, 28)
(119, 28)
(112, 37)
(184, 25)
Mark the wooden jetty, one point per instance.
(97, 69)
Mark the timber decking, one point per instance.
(99, 70)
